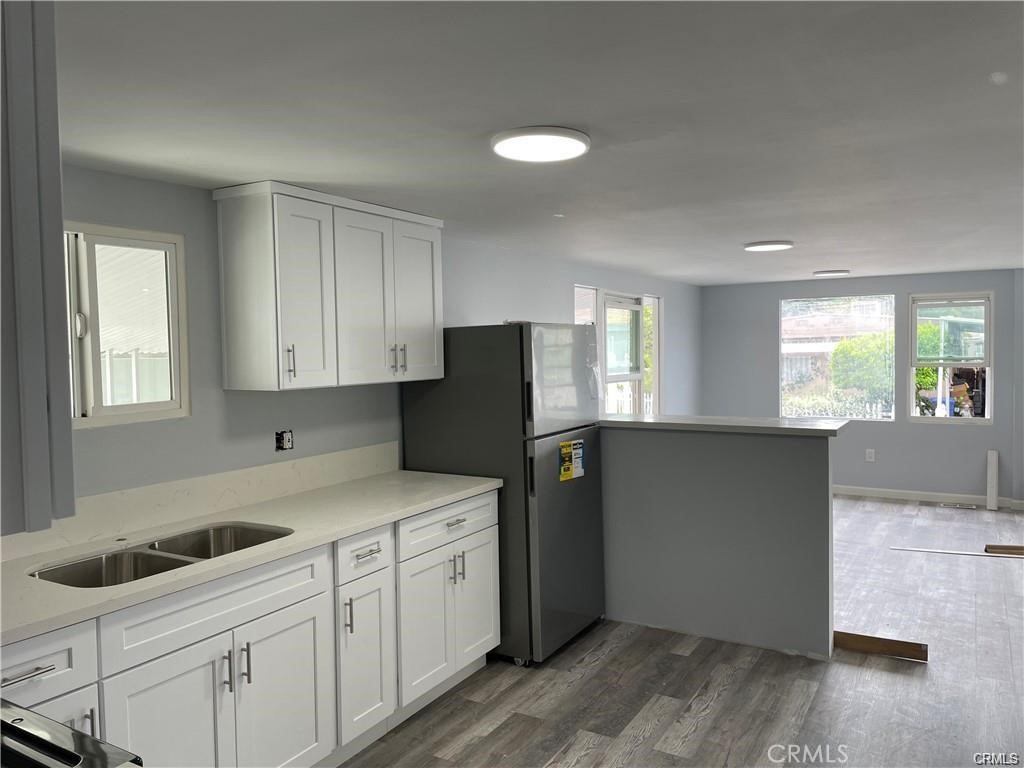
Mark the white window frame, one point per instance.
(895, 364)
(88, 410)
(986, 362)
(636, 302)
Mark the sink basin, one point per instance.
(219, 540)
(109, 569)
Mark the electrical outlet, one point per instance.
(869, 455)
(283, 440)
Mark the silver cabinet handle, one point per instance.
(455, 572)
(247, 650)
(455, 522)
(91, 717)
(230, 659)
(393, 349)
(350, 622)
(28, 675)
(405, 357)
(368, 553)
(462, 573)
(293, 369)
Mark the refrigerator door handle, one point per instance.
(531, 480)
(528, 393)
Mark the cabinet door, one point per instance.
(304, 245)
(364, 266)
(285, 685)
(426, 622)
(418, 314)
(477, 628)
(366, 652)
(175, 711)
(79, 710)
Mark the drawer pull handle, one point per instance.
(455, 522)
(29, 675)
(405, 357)
(247, 650)
(293, 369)
(368, 553)
(462, 572)
(230, 659)
(91, 717)
(455, 571)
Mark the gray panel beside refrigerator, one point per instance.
(506, 389)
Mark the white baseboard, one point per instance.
(940, 498)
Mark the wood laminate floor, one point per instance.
(625, 695)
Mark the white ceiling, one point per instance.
(871, 134)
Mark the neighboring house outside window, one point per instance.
(837, 358)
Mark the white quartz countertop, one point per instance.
(30, 606)
(753, 425)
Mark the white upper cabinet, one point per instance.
(364, 255)
(418, 301)
(304, 234)
(318, 290)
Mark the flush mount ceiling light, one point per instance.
(768, 245)
(540, 144)
(832, 273)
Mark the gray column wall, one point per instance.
(720, 535)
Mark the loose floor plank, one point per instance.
(884, 646)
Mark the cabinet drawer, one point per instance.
(71, 652)
(364, 553)
(143, 632)
(437, 527)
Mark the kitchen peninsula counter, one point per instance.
(721, 527)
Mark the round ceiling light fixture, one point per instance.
(768, 245)
(832, 273)
(540, 144)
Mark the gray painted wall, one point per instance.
(227, 430)
(487, 284)
(740, 367)
(689, 548)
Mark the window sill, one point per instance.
(137, 417)
(949, 420)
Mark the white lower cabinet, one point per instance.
(260, 695)
(476, 596)
(79, 710)
(284, 689)
(367, 653)
(448, 610)
(178, 710)
(426, 621)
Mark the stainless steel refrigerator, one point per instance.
(520, 401)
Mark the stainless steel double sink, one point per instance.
(153, 557)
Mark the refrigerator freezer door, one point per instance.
(566, 537)
(562, 377)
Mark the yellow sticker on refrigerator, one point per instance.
(571, 460)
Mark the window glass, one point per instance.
(586, 305)
(837, 357)
(622, 333)
(134, 331)
(950, 331)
